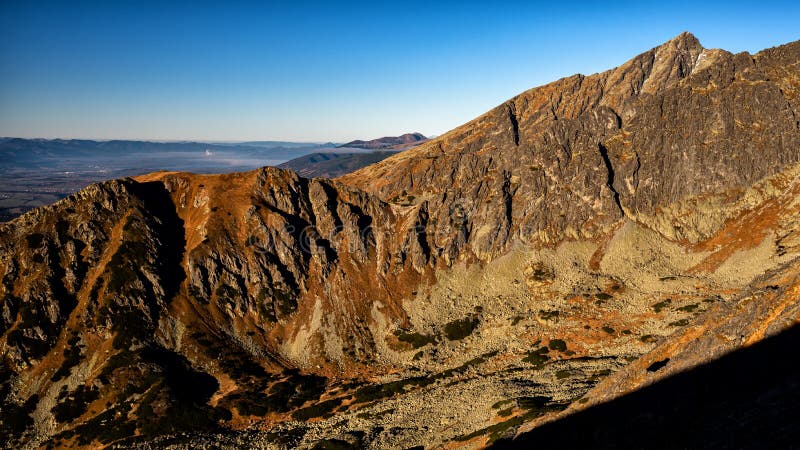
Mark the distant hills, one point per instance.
(331, 165)
(335, 164)
(389, 142)
(36, 172)
(35, 152)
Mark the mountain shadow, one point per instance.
(160, 206)
(747, 399)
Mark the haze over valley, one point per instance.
(37, 172)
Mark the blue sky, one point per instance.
(307, 71)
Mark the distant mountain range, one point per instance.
(25, 152)
(331, 165)
(36, 172)
(335, 164)
(394, 142)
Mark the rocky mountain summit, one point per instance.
(580, 241)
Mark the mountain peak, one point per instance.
(685, 40)
(670, 61)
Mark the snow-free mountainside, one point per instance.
(580, 242)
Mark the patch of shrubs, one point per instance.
(461, 328)
(537, 357)
(283, 396)
(380, 391)
(689, 308)
(558, 345)
(416, 340)
(548, 314)
(661, 305)
(321, 409)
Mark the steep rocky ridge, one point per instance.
(443, 297)
(595, 148)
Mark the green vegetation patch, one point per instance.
(648, 338)
(505, 412)
(537, 357)
(283, 396)
(498, 430)
(321, 409)
(380, 391)
(541, 274)
(689, 308)
(499, 404)
(562, 374)
(558, 345)
(534, 406)
(416, 340)
(661, 305)
(600, 374)
(461, 328)
(548, 314)
(335, 444)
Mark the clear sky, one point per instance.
(323, 71)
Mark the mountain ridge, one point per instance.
(331, 165)
(547, 252)
(388, 142)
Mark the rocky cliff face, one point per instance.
(488, 278)
(570, 158)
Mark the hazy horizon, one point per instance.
(318, 73)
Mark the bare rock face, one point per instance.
(570, 158)
(484, 279)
